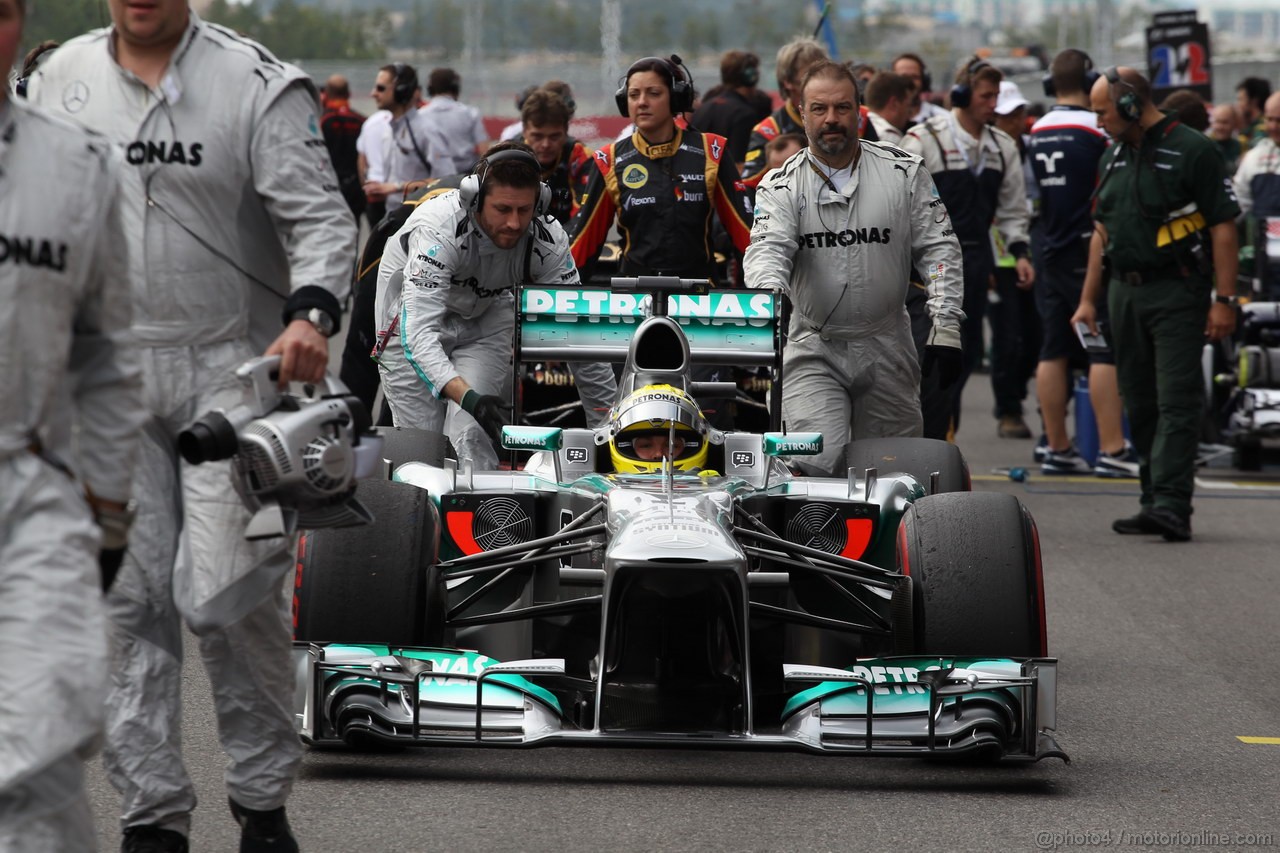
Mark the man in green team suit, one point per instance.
(1165, 208)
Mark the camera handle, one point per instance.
(261, 376)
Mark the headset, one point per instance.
(1087, 79)
(680, 81)
(405, 83)
(1129, 104)
(751, 74)
(962, 93)
(472, 187)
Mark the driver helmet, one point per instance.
(640, 428)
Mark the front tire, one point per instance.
(974, 562)
(373, 583)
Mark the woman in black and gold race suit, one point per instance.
(663, 183)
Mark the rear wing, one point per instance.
(743, 328)
(733, 327)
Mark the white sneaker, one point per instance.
(1065, 462)
(1123, 465)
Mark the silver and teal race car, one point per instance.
(883, 610)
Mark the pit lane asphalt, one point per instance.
(1167, 656)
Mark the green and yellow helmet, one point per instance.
(650, 412)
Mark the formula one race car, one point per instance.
(660, 582)
(1242, 385)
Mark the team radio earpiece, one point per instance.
(472, 187)
(1087, 79)
(405, 83)
(681, 88)
(962, 92)
(1128, 104)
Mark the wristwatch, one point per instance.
(316, 317)
(1233, 299)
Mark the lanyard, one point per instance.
(964, 155)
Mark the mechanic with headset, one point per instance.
(838, 229)
(794, 59)
(912, 66)
(1066, 146)
(978, 172)
(228, 193)
(415, 149)
(663, 183)
(63, 339)
(1165, 222)
(445, 307)
(730, 110)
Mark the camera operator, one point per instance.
(1163, 199)
(229, 191)
(62, 338)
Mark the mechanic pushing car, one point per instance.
(446, 314)
(62, 259)
(642, 426)
(228, 195)
(838, 229)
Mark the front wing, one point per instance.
(892, 706)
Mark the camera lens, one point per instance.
(207, 440)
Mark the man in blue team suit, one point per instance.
(1066, 145)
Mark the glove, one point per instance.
(946, 362)
(109, 560)
(489, 411)
(115, 524)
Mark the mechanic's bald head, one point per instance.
(1124, 109)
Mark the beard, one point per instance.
(831, 147)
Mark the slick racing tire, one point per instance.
(406, 444)
(974, 563)
(374, 583)
(919, 457)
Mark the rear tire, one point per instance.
(406, 444)
(919, 457)
(373, 583)
(974, 562)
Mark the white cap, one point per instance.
(1010, 98)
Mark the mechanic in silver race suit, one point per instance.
(838, 228)
(64, 325)
(446, 311)
(228, 194)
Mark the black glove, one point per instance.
(946, 362)
(109, 560)
(489, 411)
(115, 524)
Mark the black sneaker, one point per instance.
(263, 832)
(1134, 524)
(148, 838)
(1169, 524)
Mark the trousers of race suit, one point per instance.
(53, 633)
(480, 350)
(188, 561)
(850, 389)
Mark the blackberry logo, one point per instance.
(575, 454)
(743, 459)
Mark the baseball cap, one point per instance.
(1010, 98)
